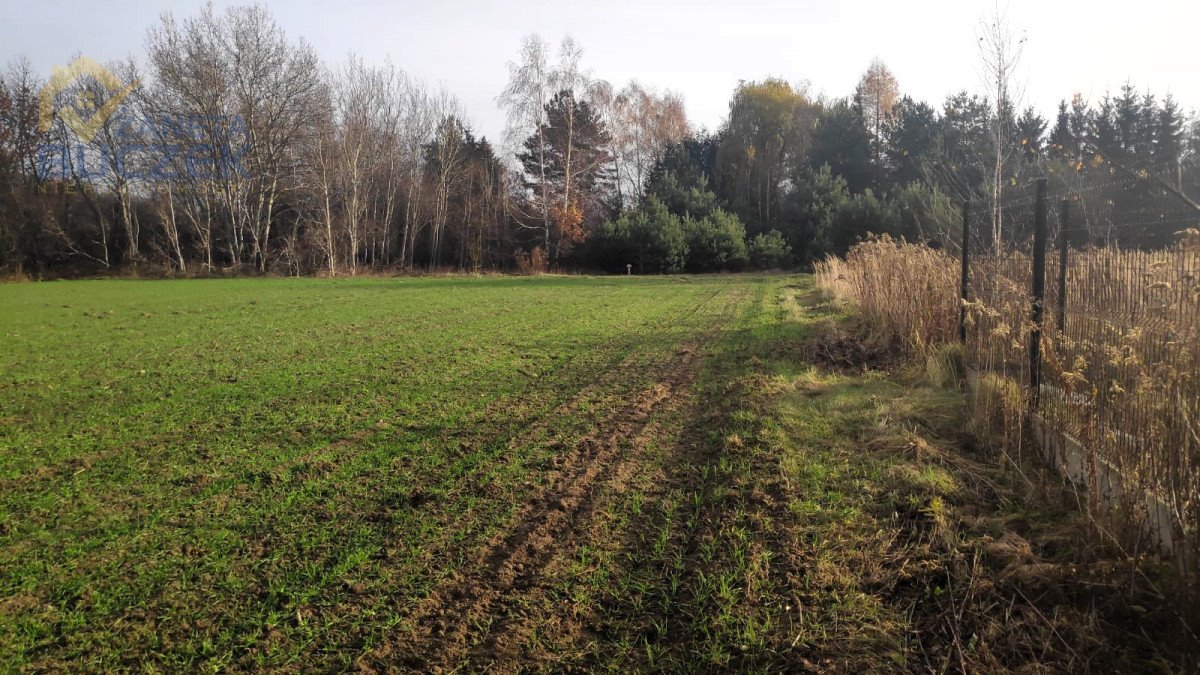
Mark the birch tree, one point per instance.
(110, 149)
(241, 95)
(643, 124)
(531, 84)
(1000, 49)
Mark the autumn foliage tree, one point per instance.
(769, 130)
(877, 94)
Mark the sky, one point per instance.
(698, 49)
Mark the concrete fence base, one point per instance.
(1100, 478)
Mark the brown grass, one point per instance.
(1122, 377)
(907, 292)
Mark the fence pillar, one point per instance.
(1064, 224)
(1039, 293)
(966, 267)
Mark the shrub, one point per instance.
(924, 214)
(717, 242)
(769, 250)
(852, 221)
(649, 237)
(531, 263)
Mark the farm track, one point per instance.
(477, 615)
(510, 562)
(644, 361)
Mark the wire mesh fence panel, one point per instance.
(1114, 361)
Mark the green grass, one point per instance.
(186, 464)
(314, 474)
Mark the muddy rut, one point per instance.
(476, 612)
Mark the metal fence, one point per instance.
(1084, 303)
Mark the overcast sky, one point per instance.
(700, 49)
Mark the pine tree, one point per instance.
(576, 164)
(1030, 128)
(1063, 144)
(1168, 144)
(911, 137)
(1127, 113)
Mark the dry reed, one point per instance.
(1122, 377)
(907, 292)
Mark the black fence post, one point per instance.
(966, 267)
(1039, 293)
(1064, 224)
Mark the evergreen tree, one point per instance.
(1030, 129)
(841, 141)
(911, 137)
(1127, 117)
(809, 209)
(1169, 143)
(572, 153)
(692, 162)
(1063, 144)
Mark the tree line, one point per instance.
(232, 147)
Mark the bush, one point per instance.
(654, 239)
(809, 210)
(769, 251)
(924, 214)
(530, 263)
(649, 237)
(717, 242)
(853, 220)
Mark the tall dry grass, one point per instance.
(1122, 377)
(907, 292)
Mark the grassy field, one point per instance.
(426, 474)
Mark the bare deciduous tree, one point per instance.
(642, 123)
(1000, 49)
(110, 148)
(233, 91)
(531, 83)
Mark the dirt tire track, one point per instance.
(436, 635)
(504, 645)
(441, 626)
(510, 624)
(541, 427)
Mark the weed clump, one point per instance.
(904, 292)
